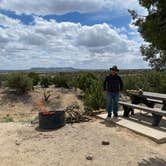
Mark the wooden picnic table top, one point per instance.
(152, 95)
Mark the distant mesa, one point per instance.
(42, 69)
(63, 69)
(53, 69)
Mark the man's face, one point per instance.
(113, 72)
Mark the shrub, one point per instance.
(35, 77)
(19, 81)
(8, 118)
(85, 80)
(73, 82)
(157, 81)
(2, 79)
(61, 81)
(149, 81)
(46, 95)
(95, 97)
(135, 82)
(45, 81)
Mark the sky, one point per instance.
(84, 34)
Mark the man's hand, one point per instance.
(105, 91)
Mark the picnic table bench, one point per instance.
(149, 99)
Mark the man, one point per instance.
(113, 85)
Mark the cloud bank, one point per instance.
(46, 7)
(49, 43)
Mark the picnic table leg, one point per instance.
(127, 111)
(164, 105)
(157, 118)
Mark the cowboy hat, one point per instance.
(115, 68)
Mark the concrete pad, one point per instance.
(153, 133)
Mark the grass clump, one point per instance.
(8, 118)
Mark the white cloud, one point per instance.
(52, 6)
(49, 43)
(128, 4)
(6, 21)
(45, 7)
(102, 38)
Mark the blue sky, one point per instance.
(104, 16)
(92, 34)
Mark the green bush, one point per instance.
(135, 82)
(2, 79)
(46, 81)
(84, 80)
(35, 77)
(19, 81)
(73, 82)
(95, 97)
(61, 81)
(8, 118)
(152, 81)
(157, 81)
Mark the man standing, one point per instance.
(113, 85)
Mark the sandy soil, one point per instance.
(24, 144)
(25, 108)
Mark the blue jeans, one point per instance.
(112, 103)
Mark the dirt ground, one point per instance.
(25, 109)
(23, 144)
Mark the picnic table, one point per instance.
(149, 99)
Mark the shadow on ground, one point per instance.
(12, 97)
(146, 119)
(152, 162)
(47, 130)
(108, 123)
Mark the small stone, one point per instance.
(17, 143)
(105, 142)
(89, 157)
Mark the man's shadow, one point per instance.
(110, 123)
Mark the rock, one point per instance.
(105, 142)
(17, 142)
(89, 157)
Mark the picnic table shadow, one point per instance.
(146, 119)
(152, 162)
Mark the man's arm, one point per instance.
(105, 84)
(121, 84)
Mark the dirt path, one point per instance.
(22, 144)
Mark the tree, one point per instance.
(153, 29)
